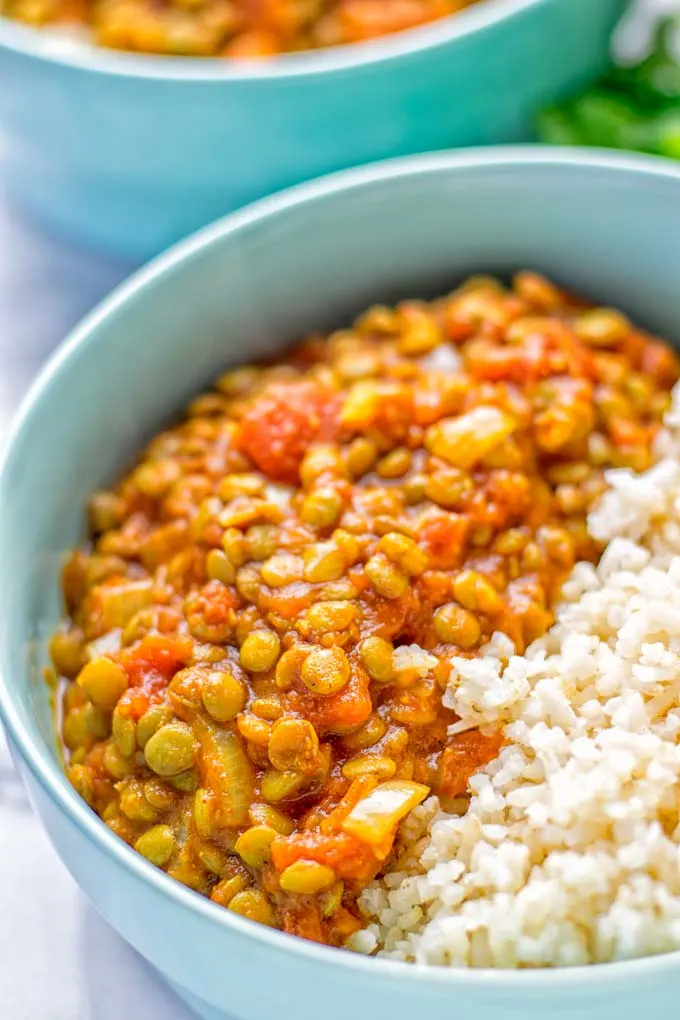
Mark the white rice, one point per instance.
(569, 851)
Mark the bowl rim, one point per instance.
(47, 46)
(34, 754)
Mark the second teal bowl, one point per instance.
(129, 153)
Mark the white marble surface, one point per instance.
(58, 959)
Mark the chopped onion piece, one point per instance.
(377, 815)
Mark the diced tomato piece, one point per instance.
(503, 496)
(628, 433)
(444, 537)
(217, 601)
(289, 602)
(580, 361)
(160, 653)
(349, 858)
(338, 713)
(283, 422)
(661, 362)
(516, 362)
(303, 920)
(150, 665)
(468, 753)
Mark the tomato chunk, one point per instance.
(283, 422)
(469, 752)
(150, 665)
(445, 538)
(349, 858)
(338, 713)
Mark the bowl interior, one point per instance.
(605, 226)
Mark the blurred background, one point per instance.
(77, 968)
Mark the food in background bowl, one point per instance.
(276, 598)
(231, 28)
(144, 150)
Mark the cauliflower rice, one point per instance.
(569, 850)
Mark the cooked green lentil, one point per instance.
(239, 29)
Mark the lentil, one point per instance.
(252, 846)
(293, 746)
(395, 464)
(325, 671)
(223, 696)
(234, 29)
(150, 721)
(254, 905)
(103, 681)
(170, 750)
(376, 655)
(224, 892)
(156, 844)
(307, 878)
(66, 652)
(260, 651)
(264, 814)
(220, 567)
(385, 577)
(124, 733)
(322, 507)
(323, 562)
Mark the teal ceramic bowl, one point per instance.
(308, 259)
(130, 153)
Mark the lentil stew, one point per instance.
(261, 625)
(230, 28)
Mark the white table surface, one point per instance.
(58, 959)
